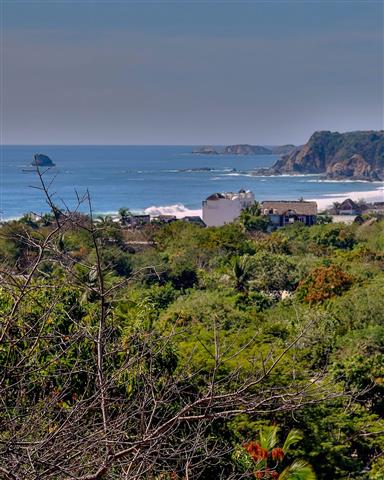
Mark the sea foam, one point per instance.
(178, 210)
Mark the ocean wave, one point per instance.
(178, 210)
(239, 174)
(182, 170)
(344, 181)
(252, 173)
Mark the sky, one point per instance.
(189, 72)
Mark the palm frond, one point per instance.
(299, 470)
(268, 437)
(293, 437)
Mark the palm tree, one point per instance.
(336, 206)
(124, 213)
(105, 220)
(266, 456)
(242, 271)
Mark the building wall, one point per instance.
(282, 220)
(225, 210)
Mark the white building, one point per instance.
(221, 208)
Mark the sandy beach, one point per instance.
(179, 210)
(376, 195)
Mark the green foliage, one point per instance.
(336, 235)
(252, 220)
(339, 440)
(266, 459)
(299, 470)
(358, 363)
(118, 261)
(175, 303)
(323, 219)
(273, 272)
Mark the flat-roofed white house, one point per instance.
(222, 208)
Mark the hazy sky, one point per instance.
(178, 72)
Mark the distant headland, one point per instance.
(244, 149)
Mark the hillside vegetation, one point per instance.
(205, 353)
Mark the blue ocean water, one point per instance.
(170, 178)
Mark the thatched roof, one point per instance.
(280, 207)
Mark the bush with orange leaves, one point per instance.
(256, 451)
(260, 456)
(265, 461)
(323, 283)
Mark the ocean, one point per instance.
(153, 179)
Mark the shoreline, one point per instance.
(179, 210)
(370, 196)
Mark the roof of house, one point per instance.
(348, 204)
(194, 219)
(299, 207)
(229, 195)
(215, 196)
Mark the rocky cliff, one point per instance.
(353, 155)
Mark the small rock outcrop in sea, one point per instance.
(41, 160)
(339, 156)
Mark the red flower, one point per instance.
(256, 451)
(278, 454)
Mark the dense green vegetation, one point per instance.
(180, 322)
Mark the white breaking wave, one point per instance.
(343, 181)
(239, 175)
(178, 210)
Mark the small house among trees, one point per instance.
(281, 212)
(348, 207)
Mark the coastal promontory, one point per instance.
(245, 149)
(354, 155)
(238, 149)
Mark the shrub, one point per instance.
(323, 283)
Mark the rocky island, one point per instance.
(245, 149)
(206, 150)
(40, 160)
(353, 155)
